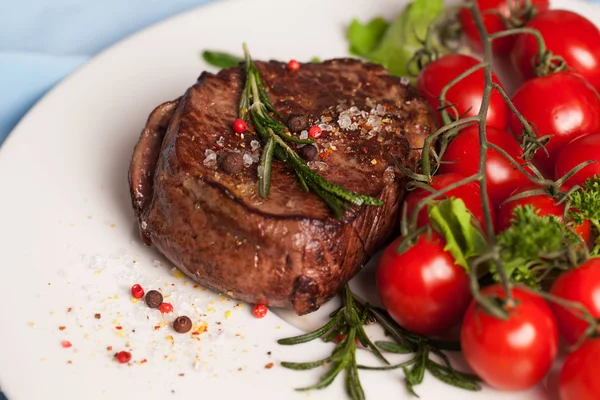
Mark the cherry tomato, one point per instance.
(423, 289)
(469, 193)
(563, 105)
(579, 376)
(576, 152)
(544, 203)
(566, 34)
(581, 285)
(493, 13)
(465, 95)
(512, 354)
(462, 157)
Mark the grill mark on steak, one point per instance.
(286, 251)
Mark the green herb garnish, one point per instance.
(394, 46)
(347, 326)
(585, 205)
(221, 59)
(256, 106)
(533, 246)
(455, 222)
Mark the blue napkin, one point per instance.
(42, 41)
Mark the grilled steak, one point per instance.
(194, 180)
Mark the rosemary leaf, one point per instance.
(398, 334)
(370, 345)
(392, 347)
(221, 59)
(328, 378)
(409, 381)
(311, 335)
(266, 162)
(418, 370)
(306, 365)
(389, 367)
(353, 386)
(451, 379)
(303, 185)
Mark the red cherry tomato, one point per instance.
(576, 152)
(422, 288)
(469, 193)
(544, 203)
(581, 285)
(466, 95)
(462, 157)
(493, 13)
(512, 354)
(563, 105)
(567, 34)
(579, 376)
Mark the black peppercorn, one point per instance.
(308, 152)
(182, 324)
(297, 123)
(231, 163)
(154, 299)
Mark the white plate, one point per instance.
(69, 239)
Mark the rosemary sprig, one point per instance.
(348, 322)
(256, 106)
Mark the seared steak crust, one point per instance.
(287, 250)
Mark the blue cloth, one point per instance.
(42, 41)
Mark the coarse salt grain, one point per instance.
(388, 175)
(248, 160)
(344, 121)
(255, 145)
(221, 141)
(318, 165)
(260, 171)
(304, 135)
(210, 159)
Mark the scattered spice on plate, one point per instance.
(65, 344)
(154, 299)
(182, 324)
(259, 310)
(69, 309)
(166, 308)
(62, 328)
(137, 291)
(269, 366)
(123, 357)
(97, 316)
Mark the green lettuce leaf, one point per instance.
(454, 221)
(364, 38)
(394, 47)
